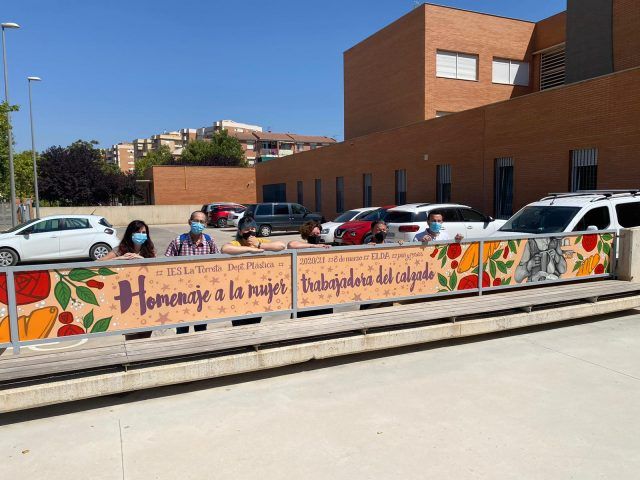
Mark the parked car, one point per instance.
(358, 232)
(282, 216)
(576, 212)
(235, 217)
(206, 208)
(407, 220)
(58, 237)
(219, 214)
(329, 228)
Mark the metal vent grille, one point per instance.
(552, 68)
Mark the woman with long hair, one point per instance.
(136, 243)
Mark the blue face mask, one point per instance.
(197, 228)
(139, 238)
(435, 227)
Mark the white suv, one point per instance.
(577, 212)
(406, 221)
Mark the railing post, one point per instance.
(294, 283)
(13, 312)
(480, 266)
(613, 261)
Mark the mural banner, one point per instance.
(332, 278)
(539, 259)
(77, 301)
(55, 302)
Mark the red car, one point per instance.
(357, 232)
(218, 214)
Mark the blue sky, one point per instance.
(122, 69)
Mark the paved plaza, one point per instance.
(554, 403)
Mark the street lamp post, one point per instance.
(12, 180)
(33, 147)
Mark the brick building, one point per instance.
(526, 108)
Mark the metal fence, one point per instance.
(117, 297)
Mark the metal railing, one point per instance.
(442, 265)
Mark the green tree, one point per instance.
(161, 156)
(223, 150)
(4, 148)
(23, 170)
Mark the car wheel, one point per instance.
(8, 257)
(222, 222)
(99, 250)
(264, 231)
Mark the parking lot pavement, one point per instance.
(163, 234)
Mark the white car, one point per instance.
(234, 218)
(576, 212)
(329, 228)
(406, 221)
(58, 237)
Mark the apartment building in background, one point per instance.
(450, 105)
(258, 146)
(122, 155)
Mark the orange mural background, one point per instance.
(60, 303)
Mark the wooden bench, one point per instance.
(16, 368)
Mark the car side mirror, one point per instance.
(489, 219)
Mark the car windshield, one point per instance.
(540, 219)
(378, 214)
(346, 216)
(22, 225)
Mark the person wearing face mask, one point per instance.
(136, 243)
(247, 240)
(194, 242)
(434, 232)
(310, 233)
(379, 230)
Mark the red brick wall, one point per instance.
(384, 78)
(484, 35)
(180, 185)
(550, 31)
(537, 130)
(626, 34)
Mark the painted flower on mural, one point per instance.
(31, 287)
(76, 288)
(598, 262)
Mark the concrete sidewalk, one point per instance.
(547, 404)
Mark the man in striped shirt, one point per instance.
(195, 242)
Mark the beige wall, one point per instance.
(151, 214)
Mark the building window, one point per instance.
(300, 147)
(401, 187)
(503, 187)
(440, 113)
(300, 192)
(443, 183)
(250, 145)
(318, 185)
(276, 192)
(339, 194)
(584, 169)
(457, 65)
(552, 68)
(367, 190)
(510, 72)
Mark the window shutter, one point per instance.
(467, 67)
(446, 64)
(500, 71)
(519, 73)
